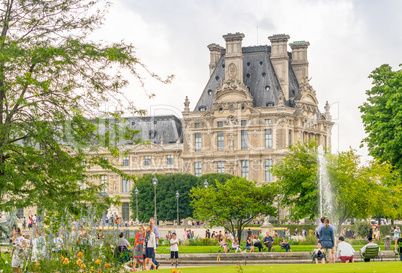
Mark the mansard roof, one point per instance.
(258, 75)
(154, 128)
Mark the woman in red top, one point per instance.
(138, 246)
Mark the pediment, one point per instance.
(232, 91)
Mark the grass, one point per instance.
(299, 268)
(214, 249)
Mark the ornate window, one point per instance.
(268, 139)
(244, 140)
(244, 169)
(197, 168)
(220, 141)
(125, 185)
(169, 159)
(126, 161)
(198, 142)
(220, 167)
(103, 179)
(268, 167)
(147, 160)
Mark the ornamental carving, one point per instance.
(231, 120)
(232, 69)
(232, 91)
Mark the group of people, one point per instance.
(32, 221)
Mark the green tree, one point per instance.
(53, 83)
(382, 116)
(358, 191)
(166, 190)
(298, 181)
(236, 203)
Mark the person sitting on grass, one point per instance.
(319, 253)
(236, 245)
(249, 244)
(222, 243)
(345, 250)
(257, 242)
(285, 245)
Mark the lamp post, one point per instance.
(177, 197)
(205, 184)
(136, 200)
(155, 182)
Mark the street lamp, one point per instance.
(206, 184)
(155, 182)
(177, 197)
(136, 199)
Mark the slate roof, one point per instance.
(152, 128)
(258, 75)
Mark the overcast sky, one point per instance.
(348, 40)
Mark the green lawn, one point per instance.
(214, 249)
(300, 268)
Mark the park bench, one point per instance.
(371, 253)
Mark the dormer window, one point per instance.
(202, 108)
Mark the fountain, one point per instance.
(326, 199)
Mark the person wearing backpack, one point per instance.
(138, 246)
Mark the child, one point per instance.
(174, 249)
(319, 253)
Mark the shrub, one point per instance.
(361, 228)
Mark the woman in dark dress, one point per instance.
(327, 239)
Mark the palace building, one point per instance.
(257, 102)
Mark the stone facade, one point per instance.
(257, 102)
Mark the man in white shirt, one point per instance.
(174, 249)
(370, 244)
(345, 251)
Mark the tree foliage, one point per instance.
(359, 191)
(166, 202)
(235, 202)
(53, 82)
(298, 181)
(382, 116)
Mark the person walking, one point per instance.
(150, 250)
(327, 241)
(18, 256)
(156, 233)
(345, 251)
(138, 246)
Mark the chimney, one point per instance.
(280, 60)
(299, 60)
(234, 57)
(215, 55)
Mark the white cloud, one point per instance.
(348, 40)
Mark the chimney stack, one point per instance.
(280, 60)
(299, 60)
(234, 56)
(215, 55)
